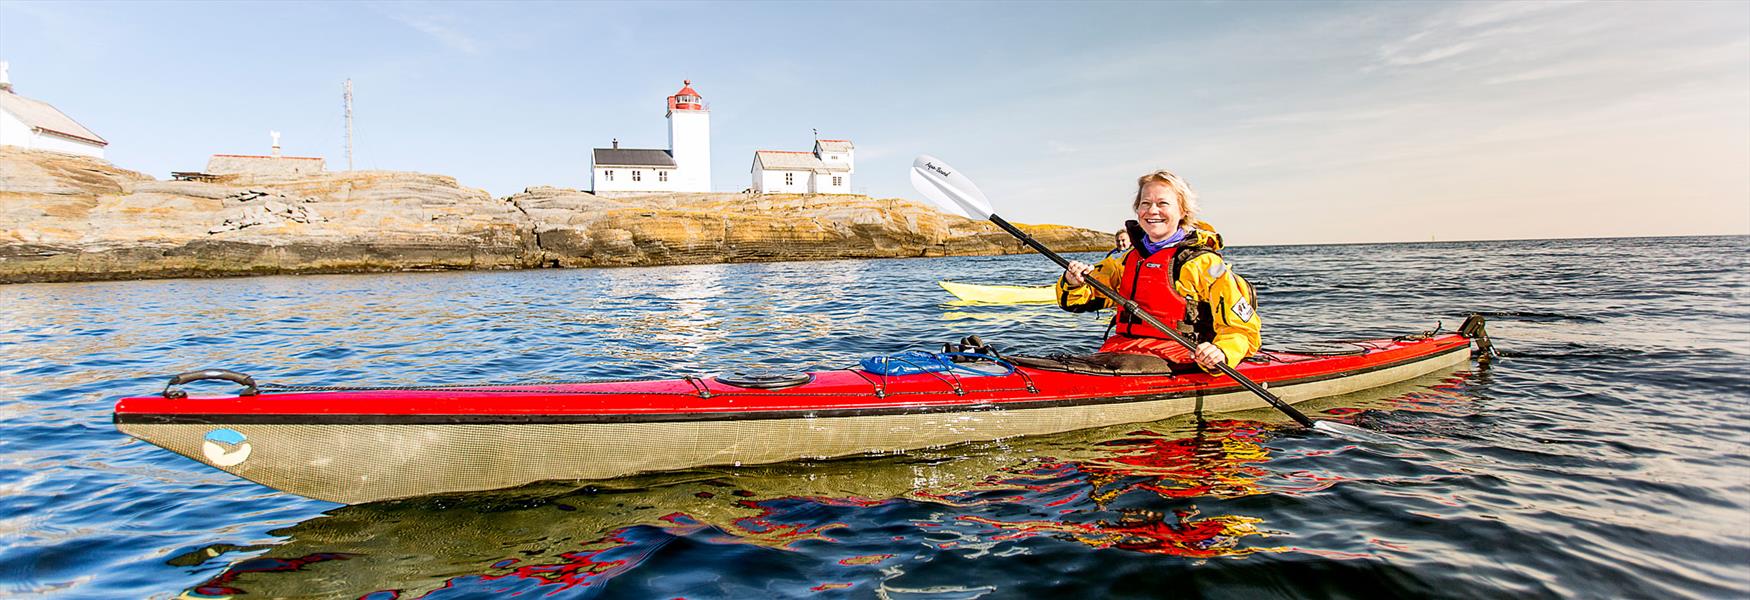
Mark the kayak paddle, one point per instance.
(951, 190)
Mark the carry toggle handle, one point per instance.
(1474, 329)
(172, 391)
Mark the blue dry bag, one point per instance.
(912, 362)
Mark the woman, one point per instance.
(1175, 273)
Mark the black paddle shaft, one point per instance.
(1131, 306)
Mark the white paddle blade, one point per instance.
(936, 195)
(950, 190)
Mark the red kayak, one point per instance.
(355, 445)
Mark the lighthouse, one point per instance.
(689, 138)
(685, 166)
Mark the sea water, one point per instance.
(1603, 454)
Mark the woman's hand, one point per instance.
(1077, 273)
(1209, 356)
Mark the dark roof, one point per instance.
(632, 157)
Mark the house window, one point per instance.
(608, 174)
(838, 181)
(637, 176)
(789, 179)
(662, 175)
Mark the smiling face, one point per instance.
(1158, 210)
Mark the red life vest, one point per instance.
(1149, 283)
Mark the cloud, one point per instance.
(1648, 61)
(440, 26)
(1480, 14)
(1401, 57)
(1346, 114)
(1477, 28)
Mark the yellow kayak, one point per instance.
(1000, 294)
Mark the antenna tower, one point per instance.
(348, 97)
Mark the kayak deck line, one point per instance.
(382, 444)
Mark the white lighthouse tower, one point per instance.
(689, 139)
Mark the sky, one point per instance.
(1297, 123)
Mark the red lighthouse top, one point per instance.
(686, 99)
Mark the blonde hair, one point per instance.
(1181, 188)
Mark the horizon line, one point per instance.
(1548, 239)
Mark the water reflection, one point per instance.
(837, 524)
(686, 318)
(990, 316)
(1217, 460)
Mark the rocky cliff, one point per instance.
(69, 218)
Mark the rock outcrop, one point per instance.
(69, 218)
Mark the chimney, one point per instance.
(5, 79)
(616, 143)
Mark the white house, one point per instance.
(684, 167)
(35, 124)
(826, 170)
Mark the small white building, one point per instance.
(271, 165)
(35, 124)
(826, 170)
(685, 166)
(264, 166)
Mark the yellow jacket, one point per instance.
(1205, 279)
